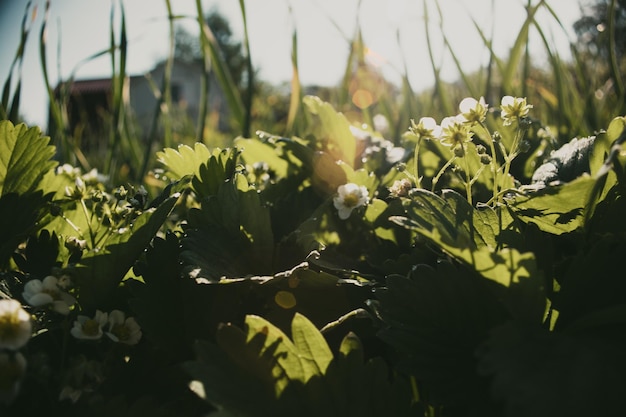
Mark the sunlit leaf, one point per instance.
(25, 157)
(184, 160)
(260, 371)
(332, 130)
(453, 226)
(555, 209)
(253, 150)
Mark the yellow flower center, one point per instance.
(121, 332)
(9, 325)
(91, 327)
(55, 294)
(458, 137)
(351, 200)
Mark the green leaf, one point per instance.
(332, 130)
(231, 233)
(435, 318)
(471, 236)
(531, 370)
(100, 272)
(452, 223)
(162, 285)
(314, 350)
(260, 372)
(19, 216)
(219, 168)
(603, 143)
(40, 254)
(592, 280)
(184, 160)
(253, 150)
(255, 223)
(268, 353)
(24, 158)
(555, 209)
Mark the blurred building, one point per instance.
(89, 102)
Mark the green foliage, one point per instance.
(262, 372)
(24, 158)
(221, 282)
(435, 318)
(479, 273)
(331, 130)
(19, 215)
(100, 272)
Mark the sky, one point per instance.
(393, 30)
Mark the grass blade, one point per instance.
(206, 74)
(58, 130)
(164, 100)
(615, 70)
(466, 81)
(6, 111)
(250, 70)
(296, 88)
(442, 95)
(218, 65)
(166, 86)
(517, 51)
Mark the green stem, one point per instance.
(494, 161)
(468, 182)
(510, 156)
(73, 226)
(441, 171)
(418, 180)
(475, 178)
(88, 219)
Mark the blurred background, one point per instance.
(132, 76)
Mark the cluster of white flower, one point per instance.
(91, 177)
(49, 292)
(455, 130)
(115, 325)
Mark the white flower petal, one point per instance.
(428, 123)
(50, 283)
(467, 104)
(507, 100)
(15, 325)
(39, 299)
(116, 317)
(33, 287)
(61, 307)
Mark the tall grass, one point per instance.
(565, 93)
(10, 104)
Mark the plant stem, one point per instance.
(418, 181)
(468, 182)
(494, 161)
(441, 171)
(88, 219)
(510, 156)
